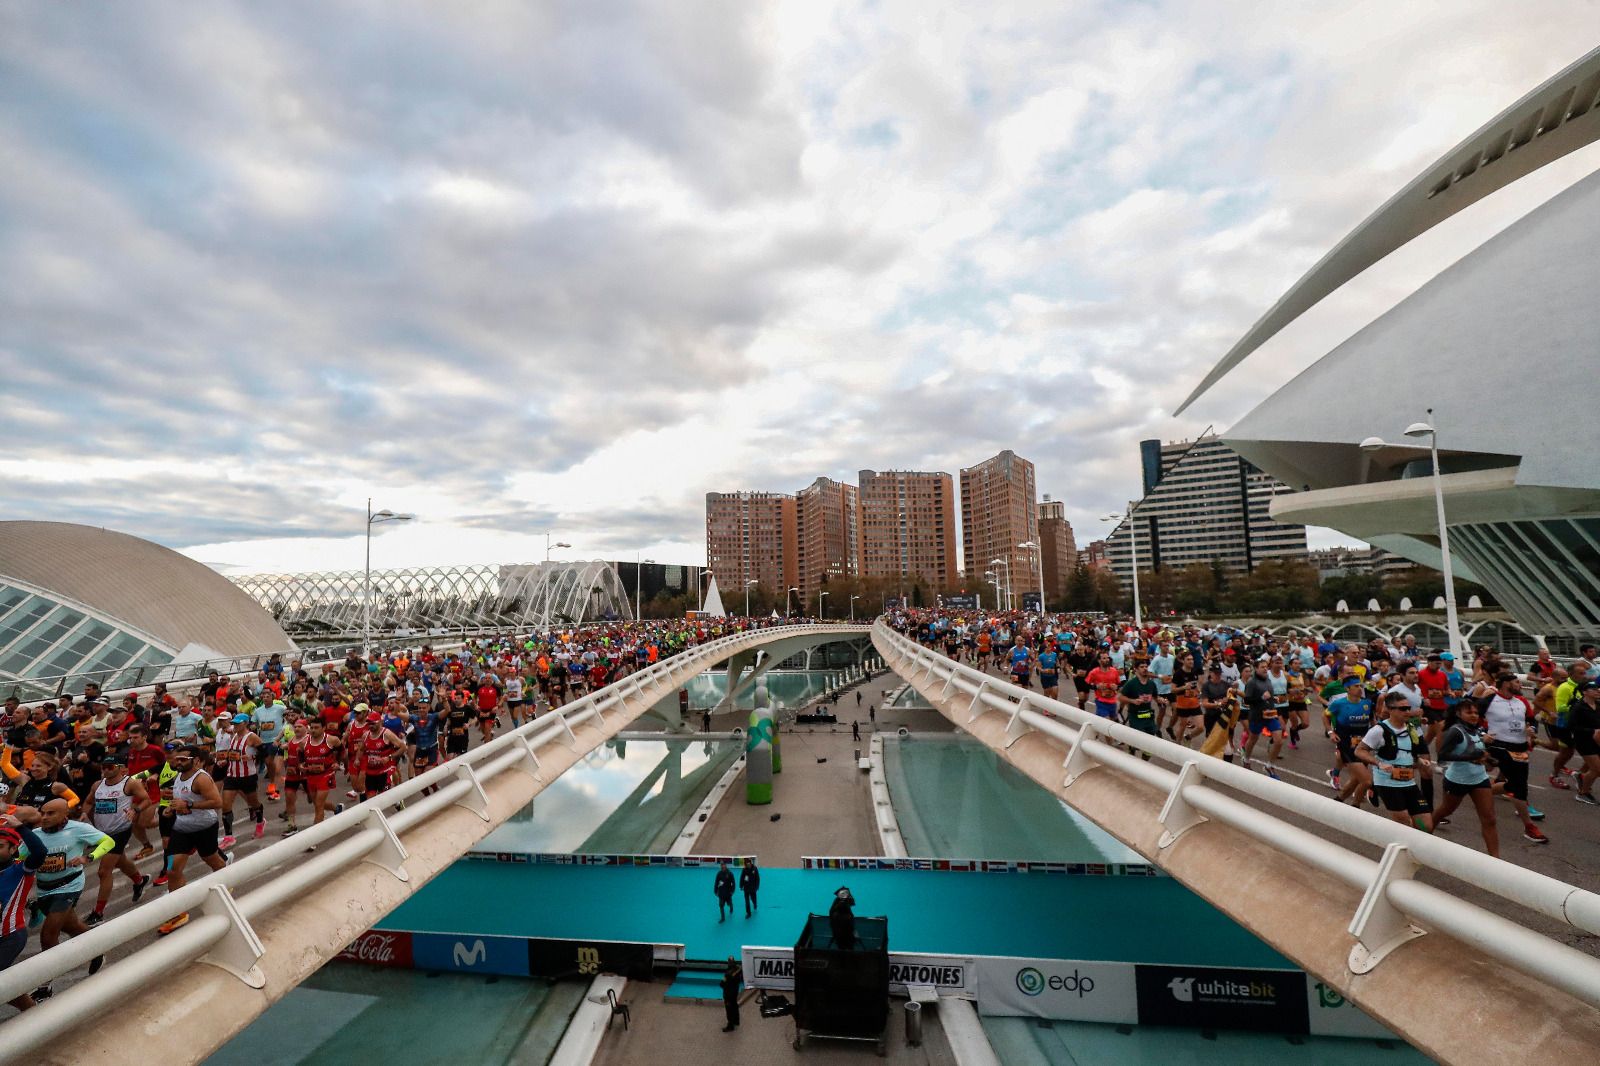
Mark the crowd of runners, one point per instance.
(97, 785)
(1408, 730)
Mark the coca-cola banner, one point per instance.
(379, 947)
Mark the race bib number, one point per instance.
(1519, 756)
(105, 806)
(53, 864)
(1403, 773)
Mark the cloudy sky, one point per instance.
(567, 266)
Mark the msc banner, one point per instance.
(1202, 997)
(773, 968)
(1050, 988)
(585, 958)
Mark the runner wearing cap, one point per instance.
(1583, 719)
(16, 885)
(237, 752)
(380, 745)
(117, 802)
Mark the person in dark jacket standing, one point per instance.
(842, 920)
(722, 887)
(750, 884)
(732, 982)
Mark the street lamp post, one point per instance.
(1133, 545)
(905, 557)
(786, 595)
(548, 546)
(822, 608)
(1038, 561)
(1452, 625)
(1002, 562)
(853, 600)
(638, 584)
(994, 579)
(747, 585)
(373, 518)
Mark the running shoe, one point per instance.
(144, 853)
(1441, 821)
(139, 886)
(95, 964)
(43, 992)
(1535, 834)
(1535, 813)
(1587, 797)
(291, 831)
(227, 842)
(161, 880)
(95, 918)
(174, 925)
(272, 793)
(351, 794)
(1558, 782)
(261, 829)
(1333, 779)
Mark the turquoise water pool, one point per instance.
(348, 1013)
(788, 688)
(957, 799)
(625, 797)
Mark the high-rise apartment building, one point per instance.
(751, 536)
(908, 525)
(999, 513)
(1058, 548)
(1209, 504)
(828, 516)
(1095, 556)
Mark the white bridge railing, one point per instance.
(225, 903)
(1394, 908)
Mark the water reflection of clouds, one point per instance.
(574, 805)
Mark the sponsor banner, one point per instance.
(1333, 1015)
(469, 953)
(569, 859)
(989, 866)
(1053, 988)
(1202, 997)
(378, 947)
(961, 603)
(773, 969)
(1030, 602)
(586, 958)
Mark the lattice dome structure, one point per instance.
(529, 595)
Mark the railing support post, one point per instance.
(529, 762)
(239, 949)
(1177, 816)
(1379, 926)
(1016, 727)
(975, 709)
(1078, 761)
(390, 852)
(476, 800)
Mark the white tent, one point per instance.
(713, 604)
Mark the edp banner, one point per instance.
(773, 969)
(1053, 988)
(1206, 997)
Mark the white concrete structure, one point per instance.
(79, 599)
(1502, 346)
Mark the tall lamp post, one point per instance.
(905, 557)
(822, 608)
(853, 600)
(1038, 562)
(373, 518)
(1002, 562)
(1133, 542)
(786, 595)
(747, 585)
(1426, 429)
(638, 584)
(994, 580)
(548, 546)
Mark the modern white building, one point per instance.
(1504, 347)
(1204, 503)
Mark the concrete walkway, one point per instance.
(820, 799)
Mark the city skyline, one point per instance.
(253, 280)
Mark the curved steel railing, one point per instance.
(1394, 906)
(220, 931)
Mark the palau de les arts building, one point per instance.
(1504, 346)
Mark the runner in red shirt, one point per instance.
(1106, 680)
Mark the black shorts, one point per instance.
(202, 841)
(1583, 742)
(1453, 789)
(1347, 748)
(1434, 715)
(11, 946)
(164, 821)
(291, 784)
(1559, 733)
(455, 745)
(1190, 712)
(1513, 769)
(246, 783)
(1406, 798)
(120, 840)
(425, 758)
(377, 782)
